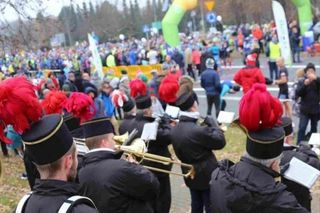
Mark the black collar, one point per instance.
(128, 117)
(269, 171)
(141, 117)
(55, 187)
(184, 118)
(100, 155)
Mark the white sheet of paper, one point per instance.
(302, 173)
(172, 111)
(150, 131)
(82, 148)
(315, 139)
(225, 117)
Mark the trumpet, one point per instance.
(139, 150)
(120, 139)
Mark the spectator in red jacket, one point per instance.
(249, 75)
(196, 55)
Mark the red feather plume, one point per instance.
(80, 105)
(19, 105)
(168, 89)
(118, 98)
(54, 102)
(137, 87)
(259, 109)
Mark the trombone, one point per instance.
(139, 150)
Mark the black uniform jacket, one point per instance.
(116, 185)
(305, 154)
(249, 187)
(157, 147)
(193, 144)
(125, 123)
(49, 195)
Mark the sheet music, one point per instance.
(315, 139)
(150, 131)
(225, 117)
(82, 148)
(302, 173)
(172, 111)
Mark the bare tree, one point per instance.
(13, 32)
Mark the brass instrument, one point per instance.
(139, 150)
(120, 139)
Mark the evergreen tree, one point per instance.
(85, 10)
(159, 10)
(125, 8)
(40, 18)
(132, 19)
(79, 14)
(138, 18)
(74, 22)
(148, 13)
(91, 8)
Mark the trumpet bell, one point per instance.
(120, 139)
(137, 146)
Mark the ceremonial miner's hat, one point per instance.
(128, 105)
(97, 127)
(185, 101)
(47, 140)
(266, 143)
(143, 102)
(71, 121)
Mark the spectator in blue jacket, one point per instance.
(106, 91)
(210, 81)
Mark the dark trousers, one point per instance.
(199, 68)
(190, 71)
(213, 99)
(4, 149)
(200, 199)
(296, 54)
(273, 68)
(163, 203)
(303, 123)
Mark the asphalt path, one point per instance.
(233, 100)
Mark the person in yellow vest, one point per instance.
(274, 53)
(11, 69)
(111, 61)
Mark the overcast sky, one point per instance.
(53, 7)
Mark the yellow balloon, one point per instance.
(186, 4)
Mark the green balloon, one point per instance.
(305, 14)
(170, 25)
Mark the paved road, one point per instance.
(233, 99)
(180, 193)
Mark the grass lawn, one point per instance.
(12, 188)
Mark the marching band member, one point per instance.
(193, 144)
(250, 185)
(130, 111)
(115, 185)
(157, 147)
(50, 147)
(303, 153)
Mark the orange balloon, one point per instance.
(186, 4)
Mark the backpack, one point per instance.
(66, 207)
